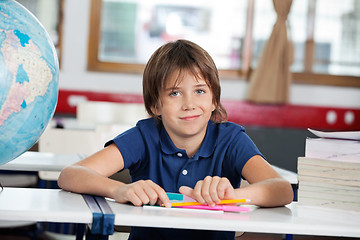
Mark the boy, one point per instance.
(186, 146)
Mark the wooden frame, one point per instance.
(94, 64)
(60, 29)
(306, 77)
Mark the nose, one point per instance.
(188, 103)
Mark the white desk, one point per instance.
(43, 205)
(292, 219)
(41, 161)
(48, 165)
(50, 205)
(290, 176)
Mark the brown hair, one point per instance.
(181, 56)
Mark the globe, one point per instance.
(29, 72)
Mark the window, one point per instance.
(130, 31)
(49, 13)
(124, 33)
(337, 37)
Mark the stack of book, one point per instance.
(329, 174)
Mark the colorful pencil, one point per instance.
(225, 208)
(228, 201)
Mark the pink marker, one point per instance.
(224, 208)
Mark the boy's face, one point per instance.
(185, 108)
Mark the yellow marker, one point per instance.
(228, 201)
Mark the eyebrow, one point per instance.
(175, 88)
(201, 85)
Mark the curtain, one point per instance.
(270, 82)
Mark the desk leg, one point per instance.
(80, 231)
(103, 218)
(295, 190)
(91, 236)
(288, 237)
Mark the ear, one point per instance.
(214, 105)
(155, 110)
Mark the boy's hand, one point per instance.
(210, 190)
(142, 192)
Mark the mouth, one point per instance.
(190, 118)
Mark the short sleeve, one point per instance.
(243, 148)
(239, 149)
(131, 145)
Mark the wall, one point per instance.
(74, 76)
(281, 146)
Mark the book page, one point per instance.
(351, 135)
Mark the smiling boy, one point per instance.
(186, 146)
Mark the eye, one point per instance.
(200, 91)
(174, 93)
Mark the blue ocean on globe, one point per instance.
(29, 71)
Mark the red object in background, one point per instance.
(241, 112)
(68, 99)
(293, 116)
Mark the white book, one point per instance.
(346, 182)
(346, 193)
(349, 135)
(329, 174)
(324, 186)
(328, 169)
(345, 205)
(333, 149)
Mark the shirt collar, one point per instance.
(206, 149)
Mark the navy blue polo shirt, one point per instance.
(149, 153)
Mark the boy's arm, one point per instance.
(267, 188)
(91, 175)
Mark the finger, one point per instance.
(205, 191)
(152, 195)
(221, 187)
(134, 199)
(133, 196)
(152, 192)
(213, 189)
(225, 189)
(141, 192)
(187, 191)
(197, 192)
(160, 195)
(164, 199)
